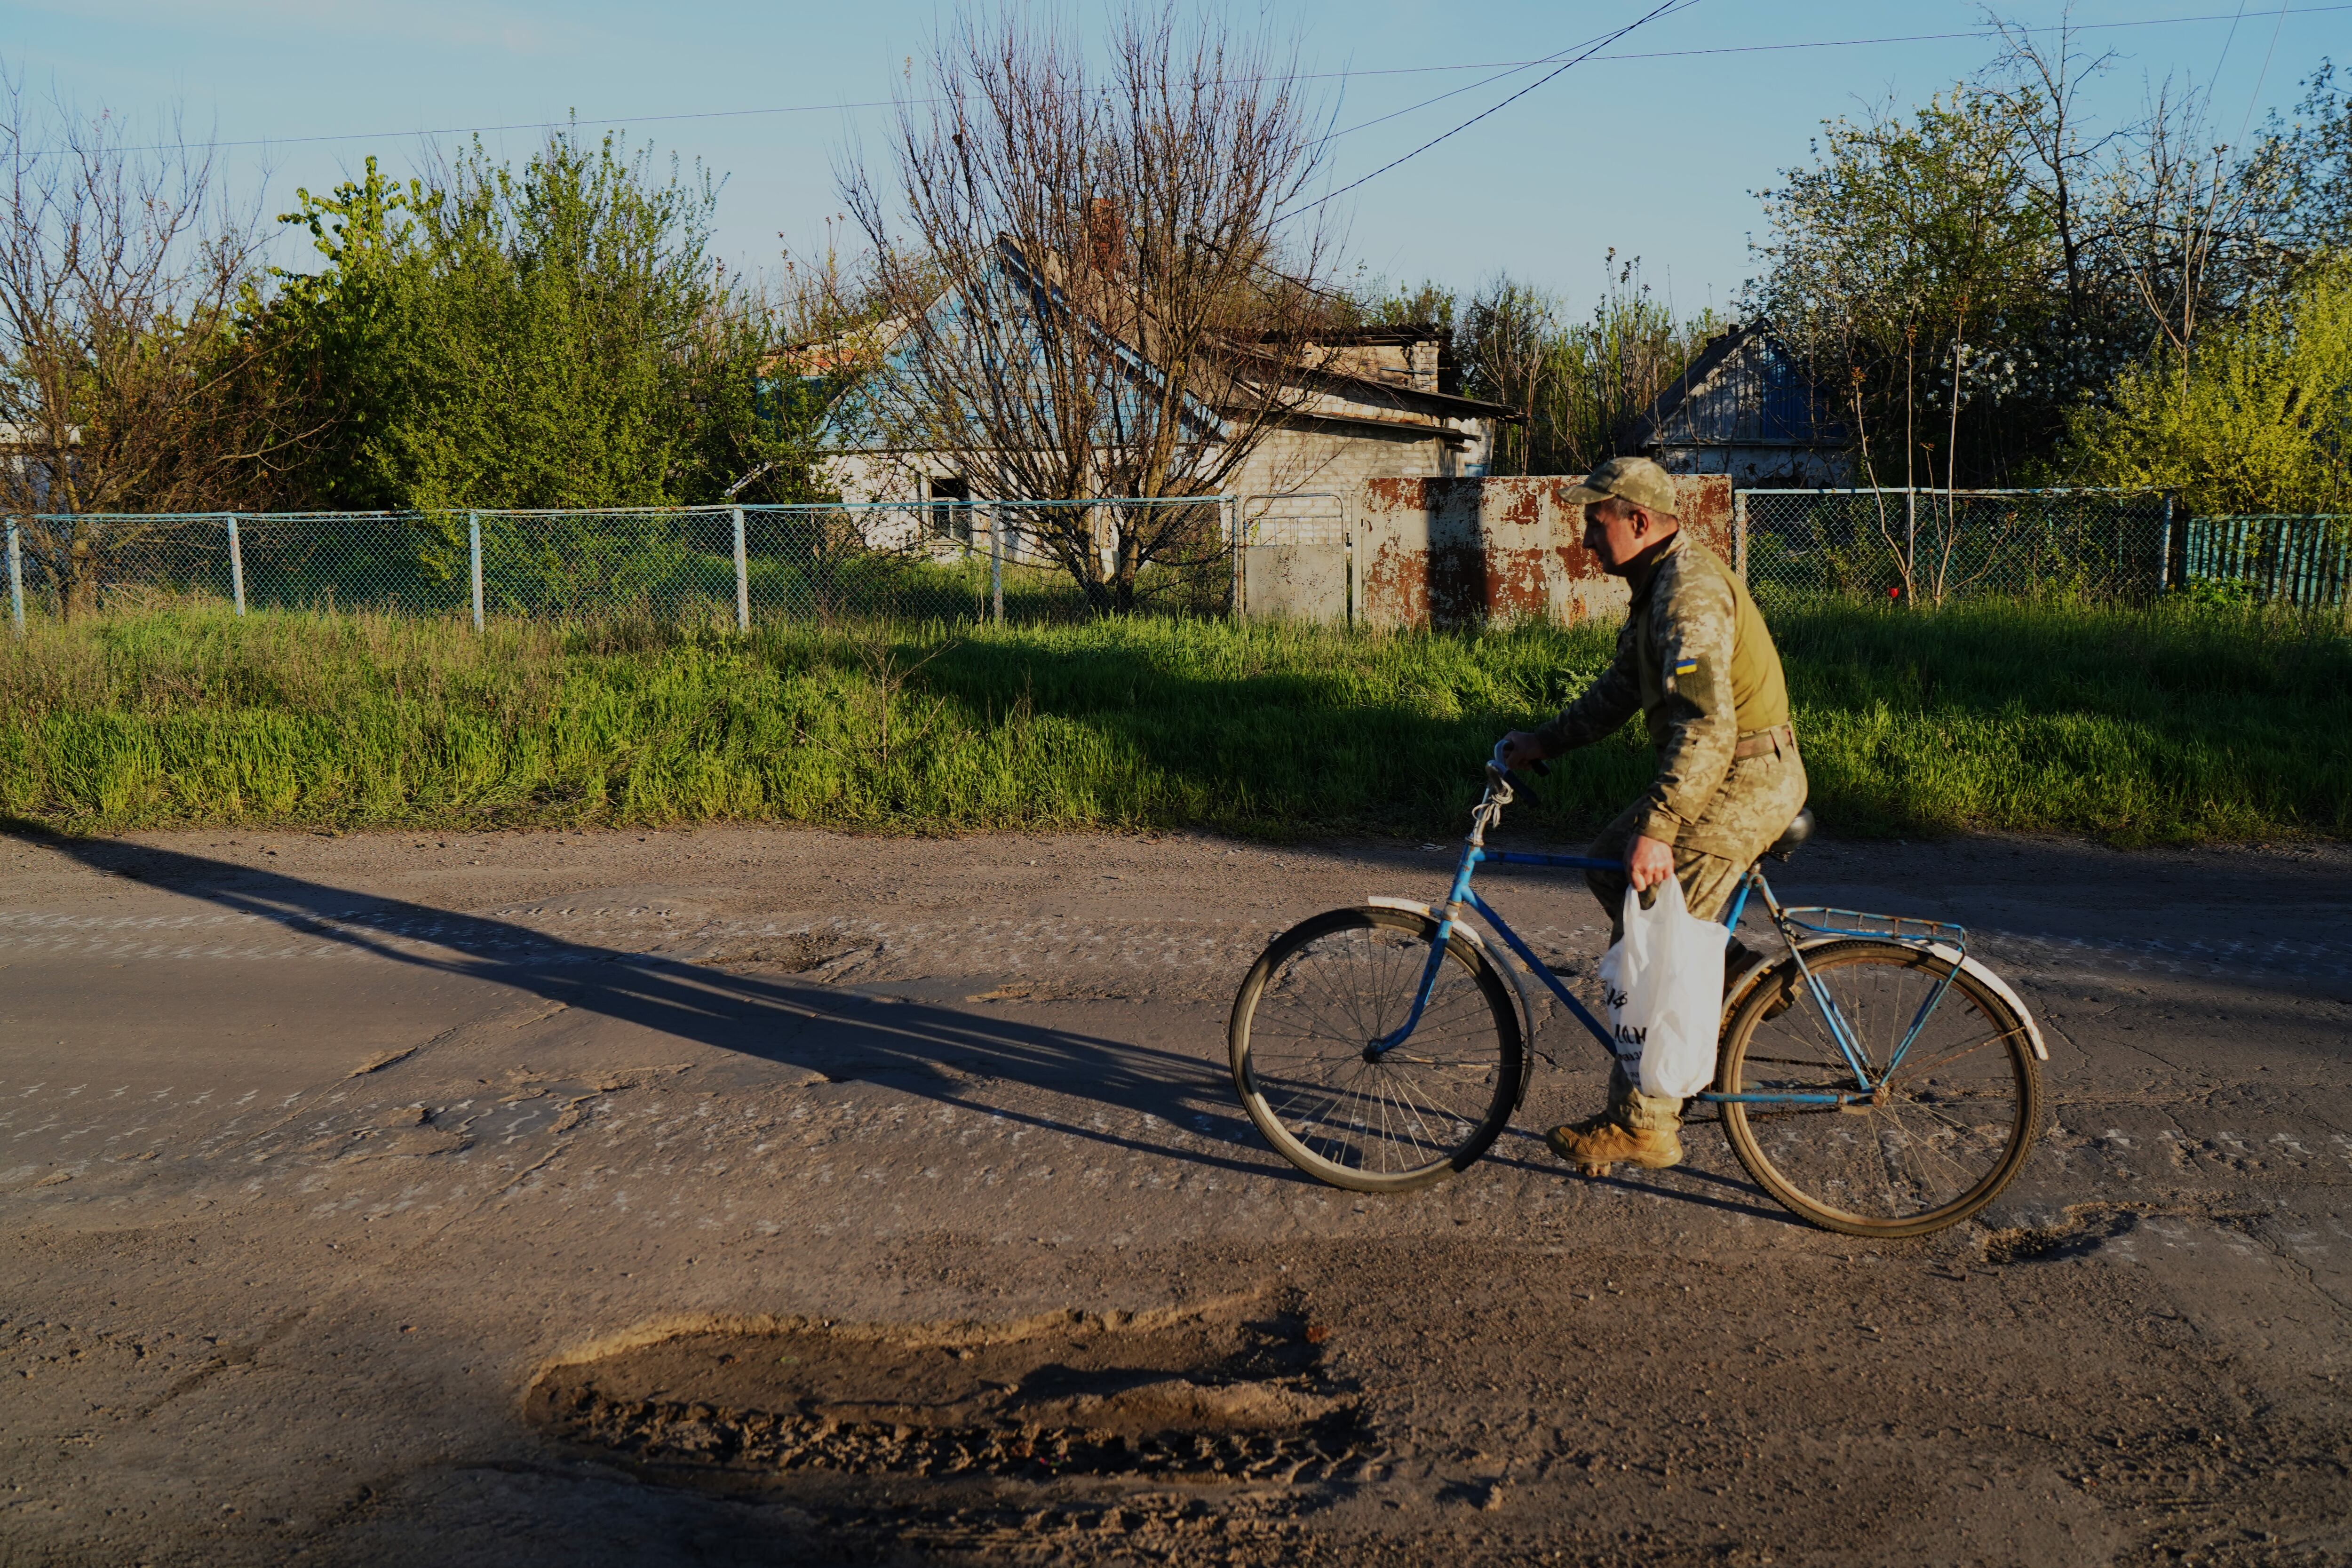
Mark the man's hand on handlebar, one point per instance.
(1519, 750)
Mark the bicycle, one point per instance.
(1383, 1048)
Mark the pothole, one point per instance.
(1240, 1397)
(2085, 1229)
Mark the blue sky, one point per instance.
(1656, 157)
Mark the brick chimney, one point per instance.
(1104, 240)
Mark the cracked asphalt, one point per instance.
(319, 1155)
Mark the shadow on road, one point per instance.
(1180, 1102)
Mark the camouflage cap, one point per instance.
(1636, 480)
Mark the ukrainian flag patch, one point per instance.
(1687, 666)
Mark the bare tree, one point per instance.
(2044, 86)
(2171, 202)
(1100, 282)
(124, 385)
(2197, 232)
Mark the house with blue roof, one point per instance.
(1745, 408)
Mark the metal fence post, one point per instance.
(2164, 554)
(1911, 537)
(1233, 533)
(742, 579)
(474, 549)
(996, 562)
(16, 578)
(236, 564)
(1355, 581)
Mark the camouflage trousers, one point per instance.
(1758, 800)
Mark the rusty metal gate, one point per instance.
(1298, 558)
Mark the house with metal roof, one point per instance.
(1364, 403)
(1744, 406)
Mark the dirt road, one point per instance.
(729, 1198)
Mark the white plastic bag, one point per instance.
(1664, 984)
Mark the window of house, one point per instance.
(951, 508)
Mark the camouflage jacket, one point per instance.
(1695, 659)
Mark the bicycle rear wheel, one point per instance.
(1950, 1126)
(1385, 1122)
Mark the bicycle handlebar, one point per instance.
(1494, 767)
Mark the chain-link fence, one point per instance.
(944, 559)
(2301, 561)
(1934, 546)
(1028, 562)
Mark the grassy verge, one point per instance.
(2138, 726)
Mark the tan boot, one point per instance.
(1595, 1145)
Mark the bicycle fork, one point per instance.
(1452, 911)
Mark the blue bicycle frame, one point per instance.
(1787, 922)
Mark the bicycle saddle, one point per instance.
(1796, 832)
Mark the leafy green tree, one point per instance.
(1967, 273)
(569, 302)
(342, 340)
(555, 335)
(1913, 267)
(2256, 418)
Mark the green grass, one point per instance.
(2135, 726)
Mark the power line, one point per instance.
(1508, 67)
(1514, 68)
(1646, 18)
(2228, 38)
(2256, 98)
(1843, 42)
(1772, 48)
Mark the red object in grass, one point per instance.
(1896, 592)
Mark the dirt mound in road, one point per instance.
(1230, 1395)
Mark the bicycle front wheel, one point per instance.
(1375, 1121)
(1944, 1132)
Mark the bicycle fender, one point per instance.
(1415, 907)
(1969, 966)
(1998, 988)
(1501, 962)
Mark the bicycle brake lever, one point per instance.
(1494, 767)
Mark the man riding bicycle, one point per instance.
(1695, 661)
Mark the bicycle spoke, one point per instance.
(1449, 1114)
(1999, 1038)
(1422, 1094)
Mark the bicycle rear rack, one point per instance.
(1826, 921)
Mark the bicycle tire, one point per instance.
(1412, 1117)
(1954, 1125)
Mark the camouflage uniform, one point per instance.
(1695, 661)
